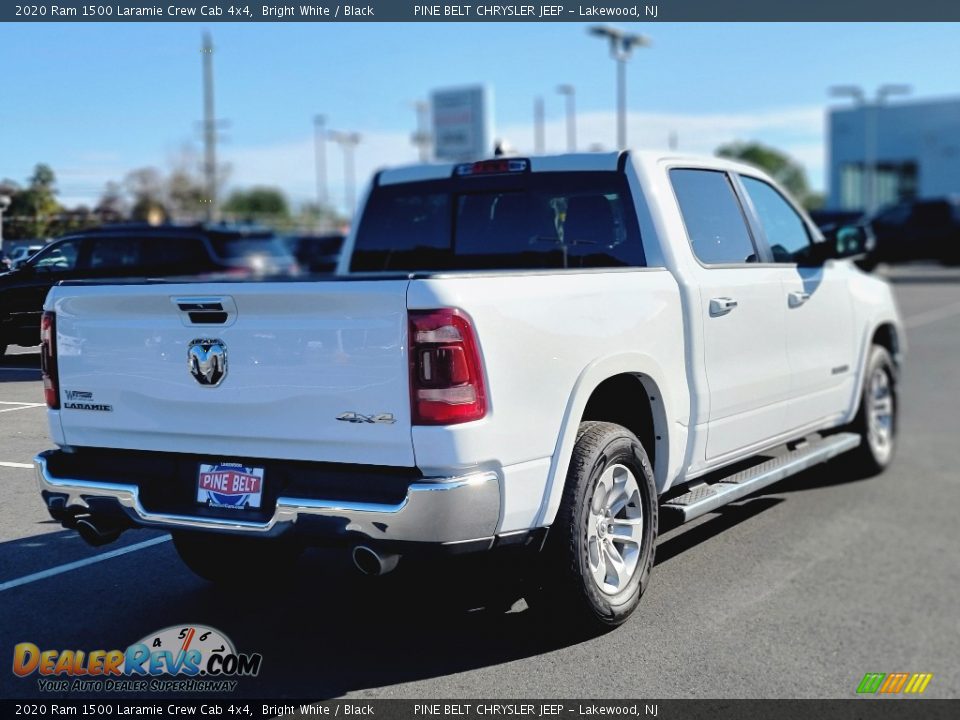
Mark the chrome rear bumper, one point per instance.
(444, 511)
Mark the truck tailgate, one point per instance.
(313, 370)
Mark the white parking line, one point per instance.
(25, 466)
(23, 407)
(60, 569)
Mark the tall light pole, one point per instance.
(621, 48)
(421, 138)
(348, 143)
(871, 121)
(209, 130)
(538, 133)
(569, 92)
(320, 148)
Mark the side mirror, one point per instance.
(853, 240)
(844, 241)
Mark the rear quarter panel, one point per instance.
(547, 340)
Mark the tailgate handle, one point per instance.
(205, 311)
(201, 306)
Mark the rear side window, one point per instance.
(175, 254)
(533, 221)
(114, 253)
(713, 217)
(234, 247)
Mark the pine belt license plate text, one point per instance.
(230, 485)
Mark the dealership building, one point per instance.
(914, 146)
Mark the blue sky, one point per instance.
(95, 101)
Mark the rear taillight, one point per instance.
(446, 376)
(48, 360)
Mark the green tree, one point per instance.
(111, 206)
(34, 208)
(780, 166)
(256, 203)
(322, 218)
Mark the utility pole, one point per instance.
(621, 48)
(538, 141)
(320, 142)
(569, 92)
(209, 131)
(421, 138)
(348, 143)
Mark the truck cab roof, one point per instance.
(569, 162)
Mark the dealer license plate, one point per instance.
(230, 485)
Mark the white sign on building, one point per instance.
(462, 125)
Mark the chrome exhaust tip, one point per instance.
(95, 535)
(370, 562)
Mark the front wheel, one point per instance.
(876, 421)
(600, 549)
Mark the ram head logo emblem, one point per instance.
(207, 360)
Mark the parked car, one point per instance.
(21, 254)
(545, 354)
(316, 253)
(918, 230)
(128, 251)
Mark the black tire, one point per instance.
(878, 447)
(235, 561)
(568, 588)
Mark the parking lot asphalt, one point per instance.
(797, 592)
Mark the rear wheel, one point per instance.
(600, 549)
(876, 421)
(233, 560)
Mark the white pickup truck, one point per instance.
(550, 352)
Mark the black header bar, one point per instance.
(427, 709)
(599, 11)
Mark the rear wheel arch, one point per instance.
(628, 391)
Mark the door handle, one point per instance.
(721, 306)
(797, 298)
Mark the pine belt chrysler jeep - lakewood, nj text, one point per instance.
(552, 352)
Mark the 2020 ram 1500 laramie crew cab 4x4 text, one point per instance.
(551, 351)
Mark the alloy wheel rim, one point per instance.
(880, 425)
(614, 529)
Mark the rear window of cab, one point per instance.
(547, 220)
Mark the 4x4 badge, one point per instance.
(207, 361)
(355, 417)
